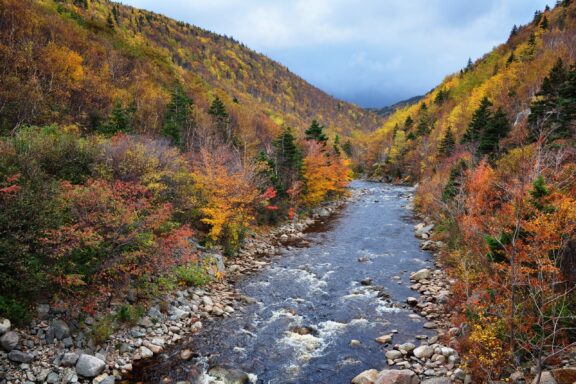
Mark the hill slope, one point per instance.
(493, 149)
(72, 61)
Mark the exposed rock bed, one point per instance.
(57, 349)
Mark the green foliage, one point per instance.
(129, 314)
(497, 128)
(102, 329)
(192, 274)
(316, 132)
(478, 123)
(221, 119)
(120, 120)
(347, 148)
(15, 311)
(452, 187)
(447, 144)
(496, 245)
(287, 161)
(178, 117)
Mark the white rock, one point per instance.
(89, 366)
(423, 352)
(4, 326)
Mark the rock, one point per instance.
(42, 311)
(324, 212)
(437, 380)
(89, 366)
(213, 261)
(104, 379)
(20, 357)
(545, 378)
(185, 354)
(420, 275)
(4, 326)
(406, 347)
(412, 301)
(447, 351)
(424, 352)
(146, 322)
(564, 375)
(459, 374)
(366, 281)
(53, 378)
(9, 340)
(366, 377)
(68, 342)
(517, 377)
(430, 325)
(146, 353)
(207, 301)
(229, 375)
(50, 335)
(395, 376)
(69, 359)
(393, 354)
(61, 329)
(355, 343)
(386, 339)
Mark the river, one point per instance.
(319, 308)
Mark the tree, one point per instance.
(177, 117)
(424, 124)
(408, 123)
(496, 129)
(120, 119)
(221, 119)
(347, 148)
(110, 21)
(316, 132)
(514, 31)
(447, 144)
(336, 145)
(287, 161)
(478, 122)
(544, 23)
(454, 184)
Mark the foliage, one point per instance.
(192, 275)
(316, 132)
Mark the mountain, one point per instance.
(73, 61)
(390, 109)
(493, 150)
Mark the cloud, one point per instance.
(372, 51)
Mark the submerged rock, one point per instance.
(366, 377)
(395, 376)
(229, 375)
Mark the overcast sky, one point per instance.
(370, 52)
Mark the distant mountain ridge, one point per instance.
(390, 109)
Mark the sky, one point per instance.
(369, 52)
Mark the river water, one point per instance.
(311, 303)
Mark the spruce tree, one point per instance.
(514, 31)
(408, 123)
(120, 120)
(454, 183)
(423, 127)
(497, 128)
(347, 148)
(177, 116)
(544, 23)
(287, 160)
(110, 21)
(447, 144)
(316, 132)
(337, 145)
(220, 118)
(479, 121)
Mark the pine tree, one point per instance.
(287, 161)
(423, 127)
(553, 110)
(544, 23)
(221, 119)
(454, 183)
(337, 145)
(496, 129)
(447, 144)
(347, 148)
(177, 117)
(479, 121)
(514, 31)
(110, 21)
(316, 132)
(408, 123)
(120, 120)
(511, 59)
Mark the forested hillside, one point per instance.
(127, 139)
(493, 150)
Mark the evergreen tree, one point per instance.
(116, 13)
(511, 59)
(531, 44)
(110, 21)
(316, 132)
(544, 23)
(287, 161)
(447, 144)
(337, 145)
(514, 31)
(454, 183)
(177, 117)
(347, 148)
(408, 123)
(423, 127)
(537, 17)
(552, 112)
(497, 128)
(479, 121)
(221, 119)
(120, 120)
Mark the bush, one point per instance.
(192, 275)
(129, 314)
(15, 311)
(102, 329)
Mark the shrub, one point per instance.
(192, 275)
(102, 329)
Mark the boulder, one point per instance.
(420, 275)
(146, 353)
(393, 354)
(61, 329)
(423, 352)
(395, 376)
(42, 311)
(69, 359)
(564, 375)
(20, 357)
(214, 262)
(9, 340)
(437, 380)
(385, 339)
(229, 375)
(89, 366)
(4, 326)
(366, 377)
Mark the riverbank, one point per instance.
(57, 349)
